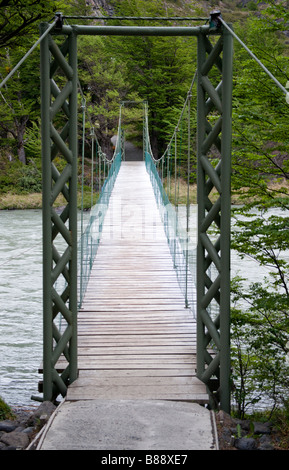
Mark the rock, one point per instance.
(18, 434)
(262, 428)
(237, 434)
(15, 439)
(8, 425)
(42, 414)
(265, 443)
(29, 430)
(225, 419)
(245, 443)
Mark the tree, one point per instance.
(102, 79)
(19, 18)
(20, 101)
(158, 69)
(260, 320)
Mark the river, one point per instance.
(21, 302)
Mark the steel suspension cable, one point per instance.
(282, 88)
(28, 53)
(137, 18)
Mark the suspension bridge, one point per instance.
(132, 311)
(136, 338)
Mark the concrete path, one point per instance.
(130, 425)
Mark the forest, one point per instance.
(160, 71)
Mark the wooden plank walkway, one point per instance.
(136, 339)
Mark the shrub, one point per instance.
(5, 410)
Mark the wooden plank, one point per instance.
(165, 392)
(130, 374)
(88, 380)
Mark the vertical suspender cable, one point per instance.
(188, 195)
(82, 184)
(176, 203)
(92, 163)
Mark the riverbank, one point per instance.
(10, 201)
(236, 434)
(23, 427)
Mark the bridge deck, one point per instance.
(136, 339)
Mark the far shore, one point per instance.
(10, 201)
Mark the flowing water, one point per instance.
(21, 304)
(21, 301)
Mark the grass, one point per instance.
(182, 191)
(281, 425)
(276, 188)
(10, 201)
(5, 411)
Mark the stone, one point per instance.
(29, 430)
(8, 426)
(45, 409)
(245, 443)
(18, 440)
(265, 443)
(262, 428)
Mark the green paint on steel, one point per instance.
(213, 285)
(213, 256)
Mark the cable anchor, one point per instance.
(215, 22)
(59, 20)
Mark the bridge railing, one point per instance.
(91, 235)
(180, 244)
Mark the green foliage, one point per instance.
(260, 321)
(159, 69)
(276, 15)
(5, 411)
(260, 116)
(281, 423)
(30, 179)
(102, 80)
(20, 18)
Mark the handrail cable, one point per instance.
(189, 95)
(136, 18)
(178, 236)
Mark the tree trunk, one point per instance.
(20, 131)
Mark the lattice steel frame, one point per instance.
(214, 129)
(59, 169)
(214, 215)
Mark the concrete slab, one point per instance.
(130, 425)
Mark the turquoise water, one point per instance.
(21, 304)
